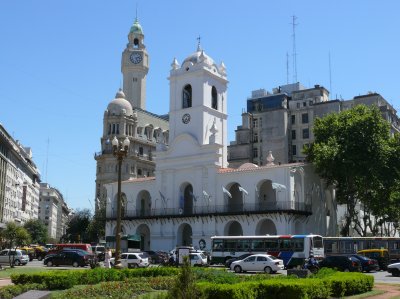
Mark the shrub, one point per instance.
(11, 291)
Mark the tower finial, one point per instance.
(198, 43)
(136, 13)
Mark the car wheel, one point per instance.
(237, 269)
(49, 264)
(17, 263)
(396, 273)
(39, 258)
(268, 270)
(75, 264)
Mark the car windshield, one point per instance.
(23, 252)
(100, 249)
(143, 255)
(203, 256)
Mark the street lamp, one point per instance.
(120, 150)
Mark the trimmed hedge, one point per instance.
(11, 291)
(61, 280)
(273, 288)
(347, 284)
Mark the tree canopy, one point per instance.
(78, 224)
(37, 230)
(354, 151)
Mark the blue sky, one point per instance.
(60, 63)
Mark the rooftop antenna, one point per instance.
(330, 75)
(294, 24)
(198, 43)
(287, 68)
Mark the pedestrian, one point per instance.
(107, 257)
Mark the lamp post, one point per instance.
(120, 150)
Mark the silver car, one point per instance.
(132, 260)
(16, 257)
(258, 262)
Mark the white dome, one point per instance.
(120, 105)
(198, 57)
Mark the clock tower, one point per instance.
(134, 67)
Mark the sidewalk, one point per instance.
(5, 282)
(391, 291)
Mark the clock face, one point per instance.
(186, 118)
(136, 57)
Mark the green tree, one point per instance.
(37, 230)
(185, 283)
(354, 152)
(14, 236)
(97, 226)
(78, 224)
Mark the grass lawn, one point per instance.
(6, 272)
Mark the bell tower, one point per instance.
(198, 109)
(134, 67)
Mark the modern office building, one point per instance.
(282, 122)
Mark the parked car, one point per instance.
(132, 260)
(154, 257)
(14, 256)
(258, 262)
(228, 262)
(68, 257)
(40, 252)
(99, 251)
(381, 255)
(198, 259)
(367, 264)
(29, 251)
(394, 269)
(341, 263)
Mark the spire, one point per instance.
(198, 44)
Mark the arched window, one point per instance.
(187, 96)
(214, 98)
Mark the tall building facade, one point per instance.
(19, 181)
(53, 211)
(282, 122)
(126, 116)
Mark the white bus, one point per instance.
(292, 249)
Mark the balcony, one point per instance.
(213, 210)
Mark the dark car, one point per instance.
(68, 257)
(341, 263)
(367, 264)
(154, 257)
(228, 262)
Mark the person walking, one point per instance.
(107, 257)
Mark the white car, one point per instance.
(17, 257)
(132, 260)
(394, 269)
(198, 259)
(258, 262)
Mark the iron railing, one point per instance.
(195, 210)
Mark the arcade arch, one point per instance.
(266, 227)
(233, 228)
(143, 203)
(184, 235)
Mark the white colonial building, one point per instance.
(195, 195)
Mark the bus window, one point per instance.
(242, 245)
(271, 244)
(230, 245)
(285, 244)
(257, 245)
(298, 244)
(317, 242)
(217, 245)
